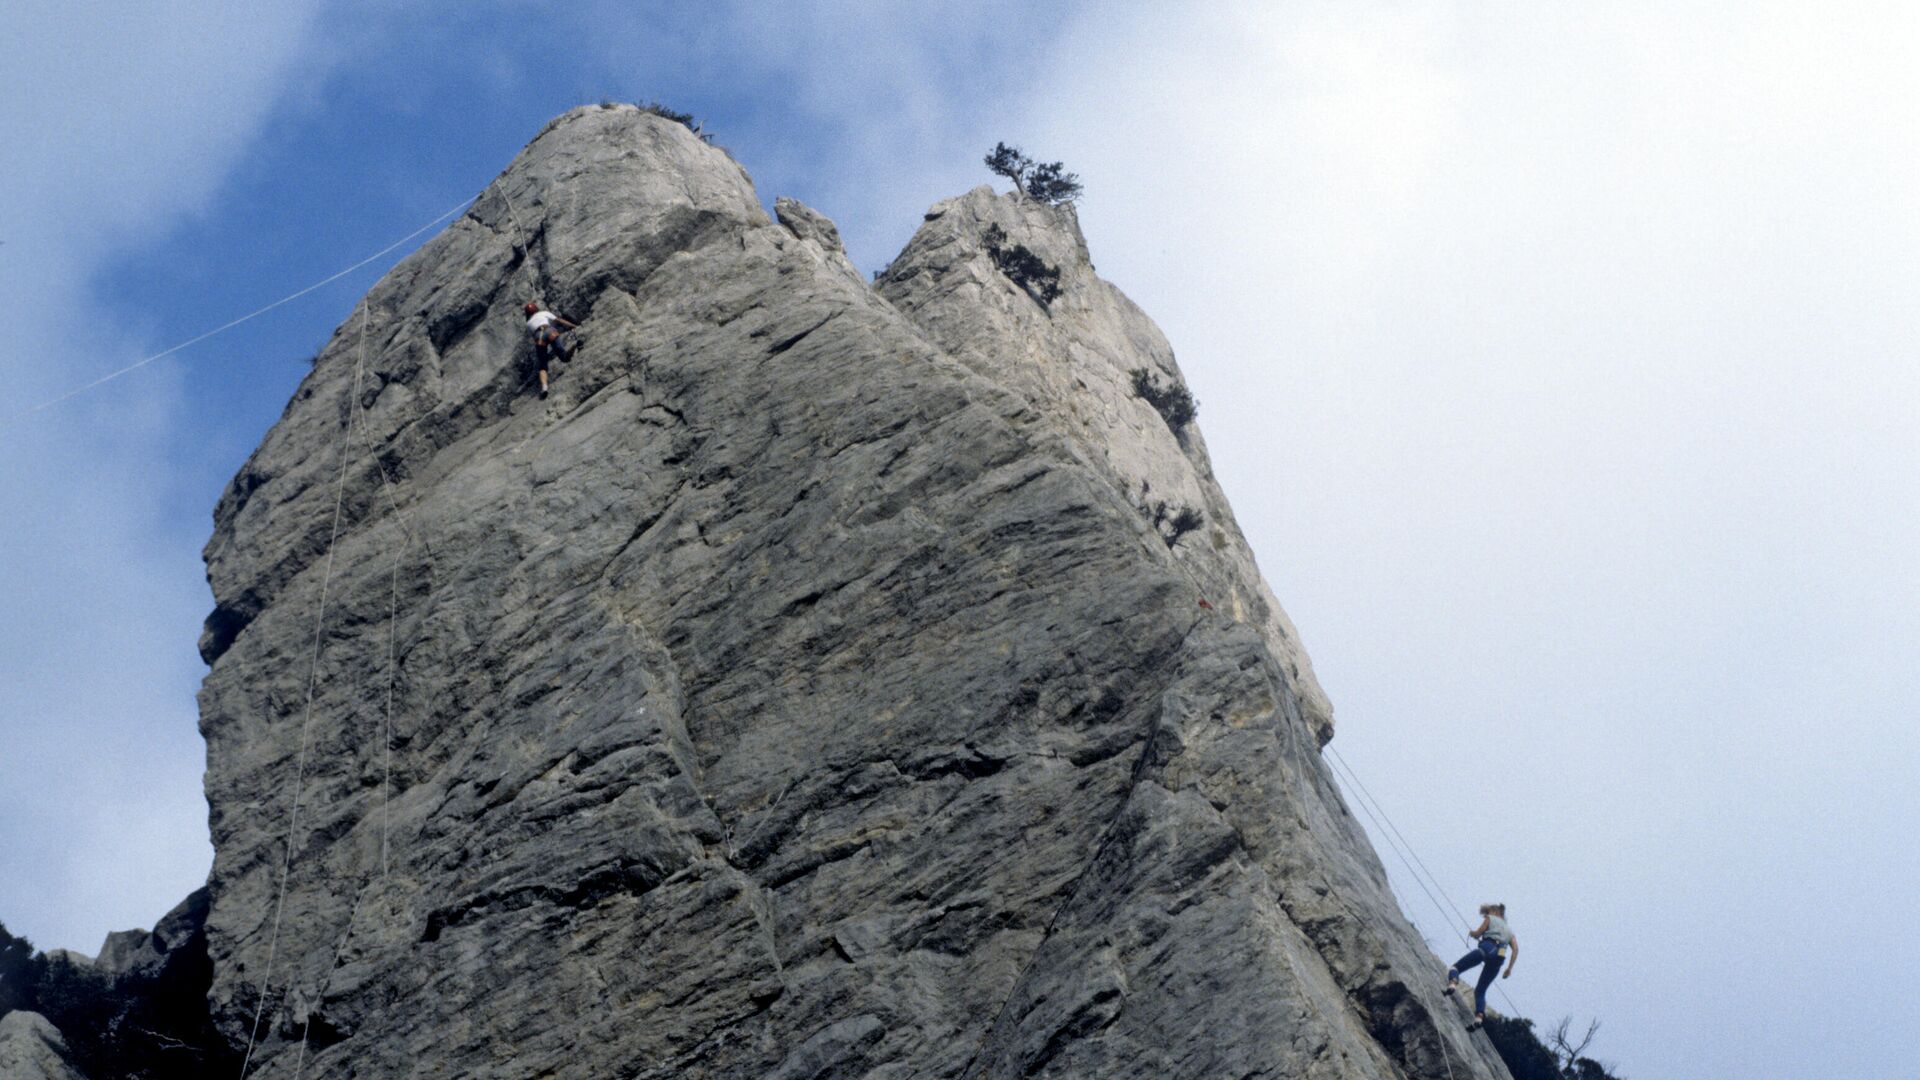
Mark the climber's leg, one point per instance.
(542, 357)
(1487, 974)
(1465, 963)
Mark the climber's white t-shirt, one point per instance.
(539, 320)
(1497, 931)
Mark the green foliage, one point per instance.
(1171, 522)
(150, 1025)
(1177, 524)
(1526, 1057)
(1049, 182)
(1052, 183)
(1010, 163)
(83, 1004)
(665, 112)
(1172, 401)
(1022, 266)
(1559, 1057)
(17, 972)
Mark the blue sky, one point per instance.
(1560, 365)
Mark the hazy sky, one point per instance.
(1560, 363)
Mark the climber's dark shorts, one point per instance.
(547, 349)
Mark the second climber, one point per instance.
(1496, 940)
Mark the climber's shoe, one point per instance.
(1477, 1022)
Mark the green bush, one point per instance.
(1048, 183)
(1022, 266)
(150, 1025)
(1559, 1057)
(1171, 522)
(666, 112)
(17, 973)
(1172, 401)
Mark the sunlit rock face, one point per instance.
(823, 681)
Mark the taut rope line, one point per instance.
(223, 328)
(306, 722)
(1388, 832)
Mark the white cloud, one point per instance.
(119, 120)
(1559, 365)
(865, 111)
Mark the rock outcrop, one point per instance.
(31, 1048)
(174, 942)
(138, 1011)
(822, 682)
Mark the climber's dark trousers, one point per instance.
(1489, 954)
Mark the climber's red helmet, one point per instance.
(532, 306)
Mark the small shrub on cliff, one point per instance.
(1022, 266)
(1052, 183)
(1173, 522)
(1172, 401)
(666, 112)
(1048, 183)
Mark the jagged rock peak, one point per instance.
(1076, 359)
(819, 683)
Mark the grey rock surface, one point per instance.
(31, 1049)
(146, 953)
(805, 689)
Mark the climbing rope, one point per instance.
(1446, 1056)
(354, 413)
(1452, 905)
(386, 726)
(526, 241)
(306, 722)
(1389, 832)
(223, 328)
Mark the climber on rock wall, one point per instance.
(1496, 940)
(544, 327)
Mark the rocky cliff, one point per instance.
(31, 1049)
(822, 682)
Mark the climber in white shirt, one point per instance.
(544, 327)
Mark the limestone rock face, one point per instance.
(31, 1049)
(1074, 360)
(807, 688)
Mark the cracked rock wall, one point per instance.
(801, 691)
